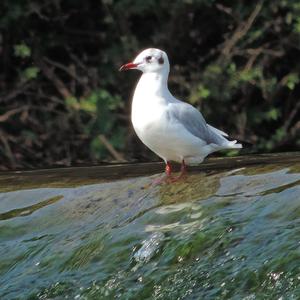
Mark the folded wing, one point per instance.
(193, 121)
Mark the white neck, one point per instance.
(152, 84)
(151, 93)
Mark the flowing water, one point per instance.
(231, 233)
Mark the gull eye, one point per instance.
(148, 58)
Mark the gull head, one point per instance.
(151, 60)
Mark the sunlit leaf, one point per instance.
(30, 73)
(22, 50)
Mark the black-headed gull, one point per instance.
(174, 130)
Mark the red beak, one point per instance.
(128, 66)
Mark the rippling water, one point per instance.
(231, 234)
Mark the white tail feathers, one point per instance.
(226, 144)
(234, 145)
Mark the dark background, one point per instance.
(63, 101)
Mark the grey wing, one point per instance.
(217, 131)
(194, 122)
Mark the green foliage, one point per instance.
(203, 92)
(22, 50)
(238, 63)
(292, 80)
(272, 114)
(30, 73)
(101, 105)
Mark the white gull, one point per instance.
(174, 130)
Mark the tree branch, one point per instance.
(4, 117)
(111, 148)
(49, 73)
(241, 31)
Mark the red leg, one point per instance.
(183, 168)
(182, 173)
(163, 179)
(168, 178)
(168, 169)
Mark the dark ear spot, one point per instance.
(161, 60)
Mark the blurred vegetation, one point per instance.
(64, 102)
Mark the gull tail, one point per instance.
(234, 145)
(221, 141)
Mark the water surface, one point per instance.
(223, 233)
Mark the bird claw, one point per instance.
(167, 179)
(171, 179)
